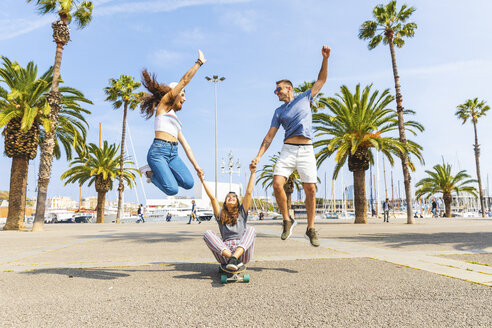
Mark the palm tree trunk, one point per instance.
(448, 200)
(17, 194)
(101, 202)
(54, 98)
(401, 130)
(121, 186)
(360, 196)
(477, 162)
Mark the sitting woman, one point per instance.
(235, 248)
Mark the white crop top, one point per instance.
(168, 122)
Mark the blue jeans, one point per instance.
(168, 170)
(194, 216)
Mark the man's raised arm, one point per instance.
(323, 72)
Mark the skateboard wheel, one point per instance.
(223, 279)
(246, 278)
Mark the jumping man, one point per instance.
(297, 152)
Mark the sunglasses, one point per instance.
(277, 90)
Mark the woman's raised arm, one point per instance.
(186, 78)
(215, 203)
(249, 188)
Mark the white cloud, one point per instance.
(244, 20)
(165, 58)
(156, 6)
(10, 28)
(192, 36)
(446, 68)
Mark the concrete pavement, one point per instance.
(435, 273)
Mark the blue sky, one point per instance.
(253, 43)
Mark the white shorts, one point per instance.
(300, 158)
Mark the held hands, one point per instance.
(252, 168)
(325, 51)
(200, 173)
(201, 57)
(255, 161)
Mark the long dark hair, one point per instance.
(157, 90)
(229, 215)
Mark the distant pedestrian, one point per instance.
(193, 214)
(386, 210)
(168, 217)
(262, 216)
(434, 208)
(140, 214)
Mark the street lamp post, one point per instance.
(230, 167)
(215, 79)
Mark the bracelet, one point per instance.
(199, 62)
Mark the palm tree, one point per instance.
(99, 166)
(389, 27)
(315, 103)
(71, 132)
(121, 92)
(23, 108)
(266, 179)
(473, 109)
(441, 180)
(81, 12)
(359, 122)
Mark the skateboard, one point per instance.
(232, 276)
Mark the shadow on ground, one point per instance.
(99, 274)
(149, 237)
(210, 271)
(460, 241)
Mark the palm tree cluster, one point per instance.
(122, 93)
(25, 117)
(442, 181)
(352, 126)
(360, 123)
(38, 112)
(99, 166)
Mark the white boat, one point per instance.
(58, 216)
(177, 213)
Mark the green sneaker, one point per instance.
(312, 236)
(288, 226)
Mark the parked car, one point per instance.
(82, 218)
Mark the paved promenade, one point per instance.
(436, 273)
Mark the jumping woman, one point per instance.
(165, 169)
(235, 246)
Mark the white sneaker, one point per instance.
(144, 170)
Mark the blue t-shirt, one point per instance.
(295, 116)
